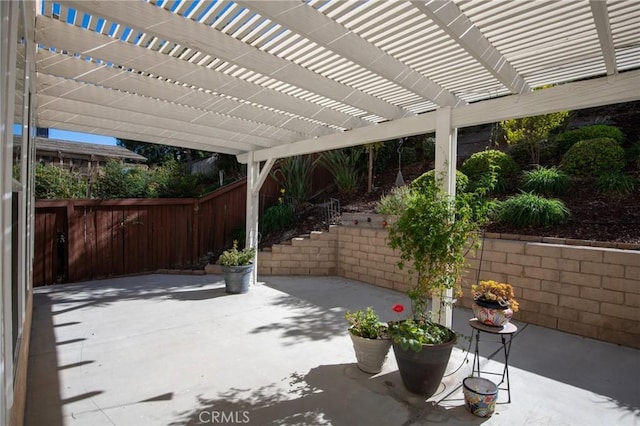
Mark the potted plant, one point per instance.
(370, 339)
(433, 233)
(493, 303)
(237, 266)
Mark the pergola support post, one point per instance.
(255, 180)
(445, 167)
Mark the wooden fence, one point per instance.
(78, 240)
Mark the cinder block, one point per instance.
(536, 318)
(319, 271)
(381, 282)
(591, 254)
(391, 276)
(492, 256)
(351, 275)
(602, 295)
(528, 283)
(387, 251)
(363, 241)
(559, 312)
(520, 259)
(315, 235)
(289, 264)
(360, 254)
(579, 304)
(299, 271)
(560, 264)
(377, 242)
(281, 271)
(632, 300)
(507, 246)
(509, 269)
(620, 284)
(528, 305)
(368, 232)
(541, 273)
(619, 337)
(611, 323)
(352, 247)
(620, 311)
(622, 257)
(263, 270)
(632, 273)
(605, 269)
(560, 288)
(587, 280)
(299, 257)
(540, 296)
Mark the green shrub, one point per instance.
(481, 164)
(427, 179)
(545, 181)
(343, 165)
(521, 155)
(593, 157)
(615, 183)
(567, 139)
(53, 182)
(527, 209)
(428, 147)
(276, 217)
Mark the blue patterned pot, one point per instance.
(480, 396)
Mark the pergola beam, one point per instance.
(167, 113)
(53, 33)
(319, 28)
(78, 124)
(448, 16)
(166, 25)
(132, 82)
(603, 27)
(571, 96)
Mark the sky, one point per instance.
(73, 136)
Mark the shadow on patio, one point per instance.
(169, 349)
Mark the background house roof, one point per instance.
(286, 77)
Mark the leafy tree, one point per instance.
(159, 154)
(54, 182)
(119, 180)
(532, 132)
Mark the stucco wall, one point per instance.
(589, 291)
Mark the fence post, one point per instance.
(195, 232)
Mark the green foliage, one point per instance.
(295, 173)
(276, 217)
(119, 180)
(568, 139)
(531, 132)
(366, 324)
(343, 165)
(433, 232)
(412, 334)
(593, 157)
(428, 148)
(527, 209)
(481, 164)
(615, 183)
(395, 202)
(428, 179)
(159, 154)
(548, 151)
(235, 257)
(53, 182)
(632, 154)
(545, 181)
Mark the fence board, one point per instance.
(127, 236)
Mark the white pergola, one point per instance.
(266, 79)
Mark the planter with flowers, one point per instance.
(237, 266)
(493, 303)
(433, 233)
(370, 339)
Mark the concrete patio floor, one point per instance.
(177, 350)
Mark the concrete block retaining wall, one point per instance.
(585, 290)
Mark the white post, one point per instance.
(251, 237)
(446, 155)
(8, 46)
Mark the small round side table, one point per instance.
(506, 334)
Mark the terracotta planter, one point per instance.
(490, 313)
(422, 371)
(370, 353)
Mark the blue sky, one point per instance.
(73, 136)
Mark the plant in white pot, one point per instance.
(237, 266)
(433, 233)
(370, 339)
